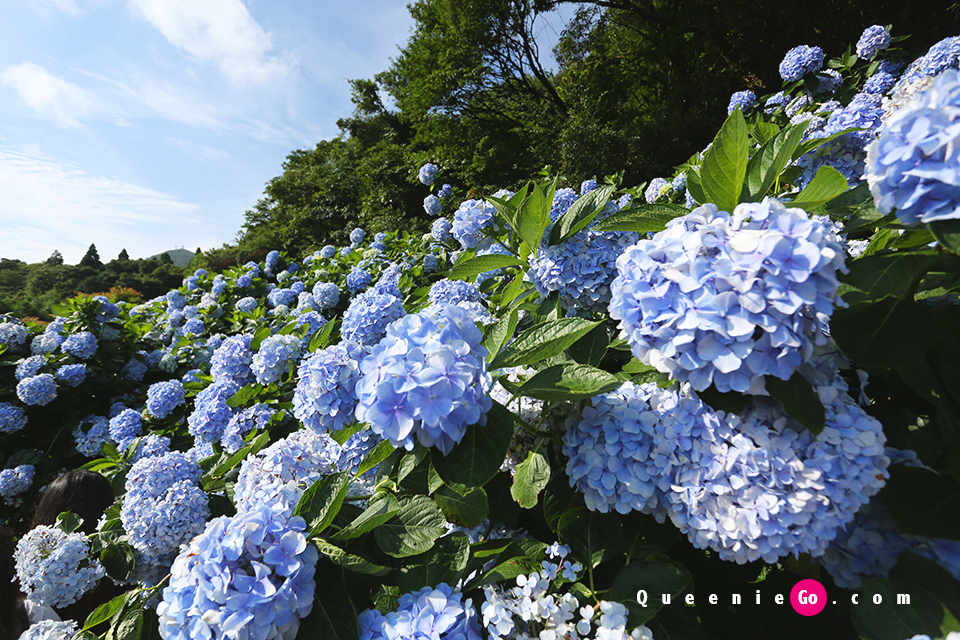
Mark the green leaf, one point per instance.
(826, 185)
(346, 433)
(478, 457)
(321, 337)
(499, 333)
(383, 506)
(770, 160)
(413, 530)
(118, 559)
(379, 453)
(472, 267)
(886, 274)
(799, 401)
(813, 143)
(764, 131)
(644, 218)
(445, 562)
(68, 522)
(262, 334)
(593, 537)
(569, 382)
(349, 561)
(510, 208)
(591, 348)
(321, 502)
(947, 233)
(531, 478)
(694, 185)
(535, 215)
(890, 620)
(888, 333)
(467, 509)
(244, 395)
(543, 341)
(725, 163)
(580, 214)
(105, 611)
(513, 561)
(922, 502)
(333, 616)
(653, 577)
(929, 575)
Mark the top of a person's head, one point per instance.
(83, 492)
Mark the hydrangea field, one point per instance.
(720, 382)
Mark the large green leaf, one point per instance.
(509, 208)
(320, 503)
(889, 620)
(467, 509)
(642, 219)
(497, 335)
(799, 400)
(535, 215)
(922, 502)
(545, 340)
(947, 233)
(580, 214)
(350, 561)
(725, 163)
(827, 184)
(569, 382)
(413, 530)
(470, 268)
(382, 507)
(333, 616)
(379, 453)
(651, 577)
(694, 186)
(478, 457)
(531, 477)
(770, 160)
(886, 274)
(888, 333)
(593, 537)
(445, 562)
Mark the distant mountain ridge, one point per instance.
(180, 257)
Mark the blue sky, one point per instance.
(154, 124)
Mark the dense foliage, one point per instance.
(563, 413)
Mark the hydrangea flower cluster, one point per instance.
(325, 398)
(134, 369)
(37, 391)
(445, 191)
(125, 426)
(29, 367)
(13, 335)
(231, 361)
(164, 397)
(163, 506)
(427, 173)
(365, 320)
(247, 305)
(869, 546)
(276, 477)
(50, 630)
(872, 40)
(275, 356)
(326, 295)
(940, 57)
(427, 378)
(357, 235)
(441, 230)
(358, 280)
(250, 574)
(72, 375)
(150, 446)
(728, 298)
(81, 345)
(256, 417)
(55, 568)
(89, 442)
(431, 204)
(913, 164)
(211, 413)
(745, 100)
(469, 221)
(800, 61)
(655, 189)
(15, 481)
(438, 613)
(563, 199)
(12, 418)
(587, 186)
(45, 343)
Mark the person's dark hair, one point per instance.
(83, 492)
(13, 615)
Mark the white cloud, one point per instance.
(45, 7)
(218, 31)
(51, 97)
(45, 205)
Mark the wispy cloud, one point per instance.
(47, 205)
(221, 32)
(45, 7)
(51, 97)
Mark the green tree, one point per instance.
(55, 258)
(91, 258)
(123, 255)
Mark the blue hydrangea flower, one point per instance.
(912, 167)
(175, 300)
(800, 61)
(45, 343)
(438, 613)
(326, 294)
(12, 418)
(81, 345)
(563, 199)
(940, 57)
(726, 299)
(830, 81)
(193, 326)
(776, 101)
(255, 417)
(55, 568)
(125, 426)
(72, 374)
(358, 280)
(445, 191)
(426, 379)
(430, 263)
(245, 281)
(231, 361)
(151, 446)
(656, 188)
(276, 477)
(29, 367)
(427, 173)
(746, 100)
(272, 262)
(587, 186)
(357, 235)
(431, 204)
(365, 320)
(37, 391)
(869, 546)
(15, 481)
(89, 441)
(211, 413)
(50, 630)
(312, 319)
(250, 576)
(328, 251)
(275, 356)
(624, 201)
(281, 297)
(13, 335)
(448, 291)
(880, 83)
(247, 305)
(325, 397)
(469, 221)
(164, 397)
(873, 39)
